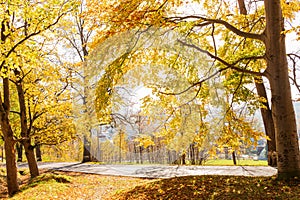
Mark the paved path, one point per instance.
(159, 171)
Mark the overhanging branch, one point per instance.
(218, 21)
(228, 66)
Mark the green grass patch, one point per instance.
(224, 162)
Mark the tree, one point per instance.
(21, 23)
(265, 28)
(77, 32)
(276, 71)
(120, 141)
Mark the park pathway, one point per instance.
(158, 171)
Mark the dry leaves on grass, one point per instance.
(215, 187)
(80, 186)
(72, 186)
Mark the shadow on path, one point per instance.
(156, 171)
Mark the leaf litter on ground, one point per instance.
(74, 185)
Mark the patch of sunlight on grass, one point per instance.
(224, 162)
(50, 189)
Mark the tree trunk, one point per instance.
(38, 152)
(86, 150)
(20, 151)
(11, 166)
(242, 7)
(282, 108)
(234, 158)
(192, 154)
(169, 157)
(266, 114)
(9, 142)
(26, 141)
(29, 153)
(183, 159)
(141, 154)
(2, 154)
(226, 153)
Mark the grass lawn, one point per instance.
(222, 162)
(72, 186)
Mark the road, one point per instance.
(158, 171)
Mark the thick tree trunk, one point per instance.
(32, 164)
(282, 107)
(265, 112)
(11, 166)
(9, 142)
(10, 156)
(268, 121)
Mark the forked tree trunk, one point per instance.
(282, 108)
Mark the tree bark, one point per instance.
(9, 142)
(20, 151)
(38, 152)
(265, 112)
(26, 140)
(86, 150)
(267, 120)
(10, 155)
(282, 108)
(233, 157)
(32, 163)
(141, 154)
(183, 162)
(242, 7)
(192, 154)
